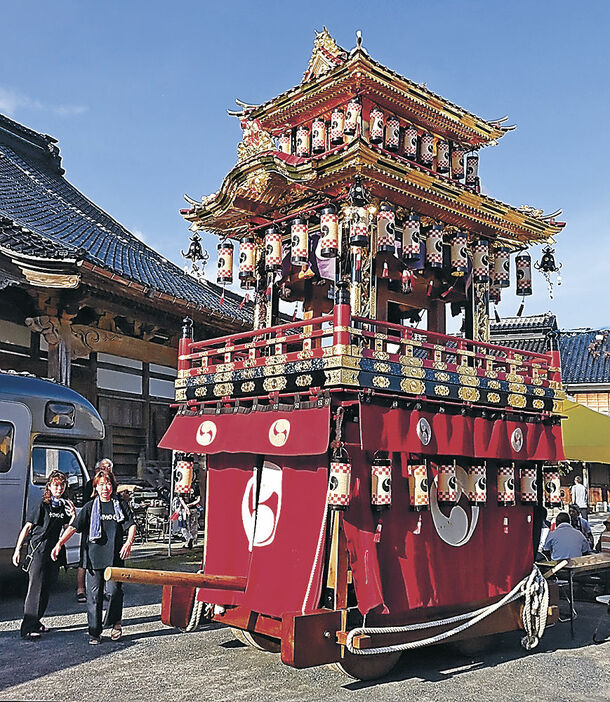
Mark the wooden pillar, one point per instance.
(436, 317)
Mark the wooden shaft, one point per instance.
(170, 577)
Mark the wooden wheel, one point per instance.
(366, 667)
(474, 646)
(256, 640)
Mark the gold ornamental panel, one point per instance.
(441, 376)
(275, 384)
(439, 365)
(411, 361)
(539, 391)
(279, 358)
(380, 367)
(466, 370)
(380, 381)
(538, 404)
(180, 395)
(469, 380)
(441, 390)
(221, 367)
(514, 378)
(248, 386)
(468, 394)
(180, 383)
(223, 389)
(518, 401)
(304, 381)
(306, 353)
(416, 387)
(333, 377)
(248, 374)
(491, 373)
(381, 355)
(413, 372)
(514, 387)
(201, 380)
(537, 381)
(494, 385)
(223, 377)
(201, 392)
(493, 397)
(349, 377)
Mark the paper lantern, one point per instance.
(284, 142)
(476, 485)
(419, 497)
(434, 246)
(299, 242)
(224, 274)
(472, 169)
(273, 249)
(442, 156)
(411, 237)
(329, 229)
(392, 133)
(480, 261)
(247, 262)
(502, 267)
(411, 142)
(352, 116)
(386, 228)
(447, 492)
(459, 254)
(426, 150)
(523, 267)
(318, 136)
(381, 483)
(302, 146)
(529, 486)
(337, 126)
(339, 479)
(457, 161)
(376, 126)
(359, 227)
(506, 485)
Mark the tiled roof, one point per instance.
(584, 359)
(536, 322)
(47, 214)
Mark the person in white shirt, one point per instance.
(565, 541)
(579, 496)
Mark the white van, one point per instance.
(40, 424)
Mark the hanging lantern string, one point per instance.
(337, 444)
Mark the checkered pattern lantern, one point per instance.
(411, 237)
(477, 485)
(446, 478)
(480, 261)
(381, 482)
(457, 161)
(419, 497)
(529, 486)
(224, 273)
(495, 292)
(459, 254)
(434, 246)
(352, 116)
(552, 492)
(329, 229)
(442, 156)
(247, 262)
(376, 124)
(411, 142)
(337, 126)
(506, 485)
(426, 150)
(359, 227)
(523, 266)
(183, 476)
(472, 169)
(318, 136)
(502, 267)
(273, 249)
(299, 242)
(339, 479)
(284, 142)
(302, 148)
(386, 228)
(392, 133)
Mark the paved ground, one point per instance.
(156, 663)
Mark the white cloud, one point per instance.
(11, 102)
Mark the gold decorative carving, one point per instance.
(248, 386)
(538, 404)
(442, 390)
(411, 361)
(277, 383)
(416, 387)
(381, 355)
(180, 395)
(514, 378)
(333, 377)
(439, 365)
(515, 400)
(381, 367)
(469, 380)
(515, 387)
(413, 372)
(304, 380)
(380, 381)
(466, 370)
(468, 394)
(222, 389)
(201, 392)
(441, 376)
(254, 140)
(494, 385)
(493, 397)
(539, 391)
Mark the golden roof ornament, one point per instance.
(254, 140)
(326, 55)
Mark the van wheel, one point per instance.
(366, 667)
(260, 641)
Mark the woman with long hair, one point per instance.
(108, 525)
(45, 523)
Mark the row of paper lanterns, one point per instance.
(359, 236)
(447, 484)
(384, 130)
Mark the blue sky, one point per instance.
(137, 92)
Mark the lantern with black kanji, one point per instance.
(318, 136)
(337, 126)
(392, 133)
(183, 476)
(329, 230)
(495, 292)
(386, 228)
(552, 484)
(476, 485)
(426, 150)
(434, 246)
(502, 267)
(442, 156)
(381, 481)
(447, 485)
(302, 146)
(339, 480)
(459, 254)
(247, 262)
(457, 161)
(419, 497)
(224, 274)
(359, 227)
(480, 261)
(529, 486)
(299, 242)
(376, 126)
(284, 142)
(411, 142)
(352, 116)
(506, 485)
(273, 249)
(523, 266)
(411, 237)
(472, 169)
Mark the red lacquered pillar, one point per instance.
(184, 345)
(342, 316)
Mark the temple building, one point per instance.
(83, 301)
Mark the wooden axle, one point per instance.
(170, 577)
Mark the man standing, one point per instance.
(565, 541)
(579, 496)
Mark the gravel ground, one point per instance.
(153, 662)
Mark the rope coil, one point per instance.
(534, 588)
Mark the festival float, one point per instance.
(373, 484)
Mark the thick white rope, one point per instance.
(195, 612)
(533, 587)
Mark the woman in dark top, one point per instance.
(109, 527)
(45, 522)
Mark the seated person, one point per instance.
(603, 545)
(580, 523)
(565, 541)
